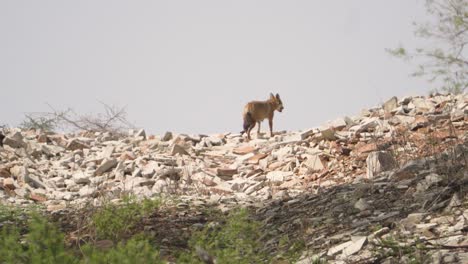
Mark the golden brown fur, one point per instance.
(256, 111)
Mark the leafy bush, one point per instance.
(10, 215)
(44, 243)
(135, 250)
(11, 251)
(45, 123)
(237, 241)
(113, 221)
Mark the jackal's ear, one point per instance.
(271, 95)
(277, 96)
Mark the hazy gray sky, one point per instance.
(190, 66)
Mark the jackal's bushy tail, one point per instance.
(248, 121)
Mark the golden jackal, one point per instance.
(256, 111)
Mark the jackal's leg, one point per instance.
(250, 129)
(258, 131)
(270, 122)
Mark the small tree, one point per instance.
(39, 121)
(447, 60)
(113, 119)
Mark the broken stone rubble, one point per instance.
(80, 167)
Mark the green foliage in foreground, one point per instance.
(235, 242)
(236, 239)
(113, 221)
(44, 243)
(135, 250)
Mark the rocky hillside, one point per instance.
(365, 188)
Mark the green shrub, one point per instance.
(43, 122)
(11, 251)
(10, 215)
(46, 243)
(237, 241)
(135, 250)
(113, 221)
(42, 244)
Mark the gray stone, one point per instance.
(306, 133)
(171, 173)
(244, 158)
(338, 248)
(293, 137)
(136, 173)
(365, 125)
(19, 172)
(21, 192)
(457, 115)
(314, 163)
(412, 220)
(178, 149)
(167, 136)
(14, 141)
(107, 152)
(98, 180)
(362, 204)
(214, 141)
(463, 257)
(281, 153)
(76, 144)
(52, 150)
(406, 100)
(119, 170)
(405, 119)
(459, 226)
(149, 169)
(34, 181)
(87, 191)
(450, 258)
(339, 123)
(454, 202)
(160, 186)
(253, 188)
(390, 104)
(356, 245)
(138, 181)
(425, 226)
(278, 176)
(306, 259)
(222, 188)
(281, 195)
(141, 133)
(67, 196)
(105, 166)
(226, 173)
(422, 105)
(433, 179)
(9, 183)
(81, 178)
(382, 231)
(238, 184)
(328, 134)
(379, 161)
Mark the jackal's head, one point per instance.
(278, 104)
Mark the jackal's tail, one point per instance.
(248, 121)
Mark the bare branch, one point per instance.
(112, 120)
